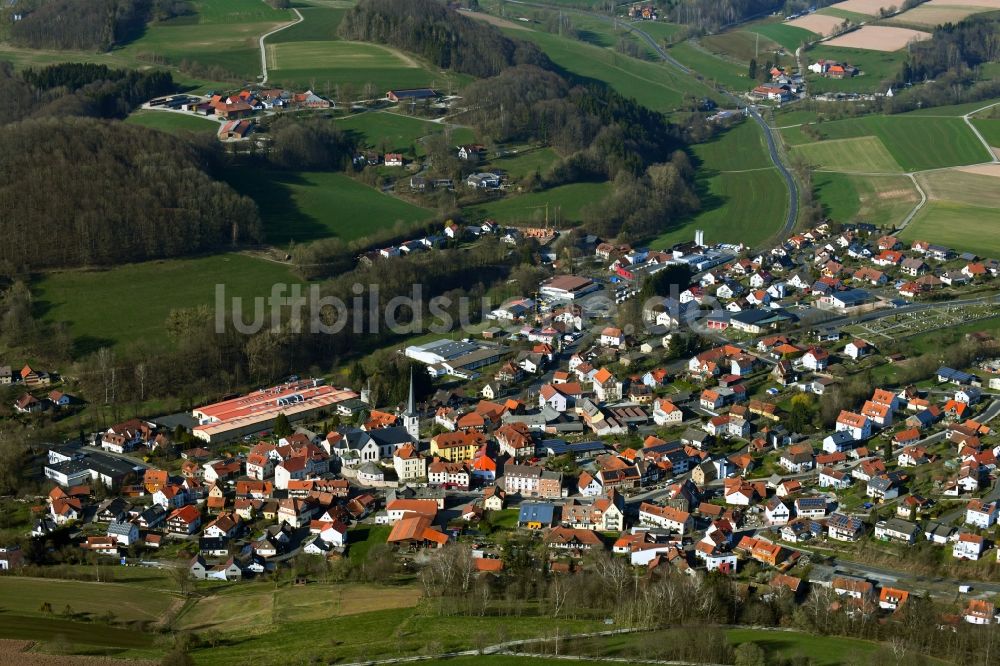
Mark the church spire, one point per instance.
(410, 403)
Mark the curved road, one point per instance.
(772, 147)
(263, 50)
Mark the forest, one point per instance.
(439, 34)
(954, 47)
(84, 192)
(712, 15)
(88, 25)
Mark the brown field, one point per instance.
(972, 188)
(878, 38)
(16, 653)
(983, 169)
(935, 13)
(869, 7)
(497, 21)
(817, 23)
(985, 4)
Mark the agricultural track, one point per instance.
(263, 49)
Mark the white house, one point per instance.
(968, 547)
(981, 515)
(666, 413)
(858, 425)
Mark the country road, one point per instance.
(772, 147)
(263, 49)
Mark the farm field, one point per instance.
(915, 143)
(739, 44)
(953, 110)
(654, 85)
(304, 206)
(565, 204)
(868, 7)
(747, 207)
(130, 602)
(856, 154)
(877, 66)
(526, 162)
(878, 38)
(974, 189)
(784, 34)
(316, 601)
(959, 226)
(126, 303)
(222, 34)
(880, 200)
(932, 13)
(373, 635)
(396, 132)
(990, 129)
(319, 24)
(726, 73)
(819, 24)
(660, 29)
(166, 121)
(737, 149)
(322, 65)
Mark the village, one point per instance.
(693, 441)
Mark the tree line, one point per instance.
(440, 35)
(711, 15)
(82, 192)
(88, 25)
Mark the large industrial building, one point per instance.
(454, 357)
(255, 412)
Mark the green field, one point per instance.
(130, 602)
(915, 143)
(653, 84)
(131, 302)
(990, 129)
(81, 636)
(747, 207)
(302, 206)
(322, 65)
(881, 200)
(952, 110)
(736, 149)
(859, 154)
(788, 36)
(820, 650)
(564, 204)
(877, 66)
(318, 24)
(396, 132)
(713, 68)
(526, 162)
(222, 34)
(167, 121)
(959, 226)
(741, 45)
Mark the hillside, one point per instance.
(77, 192)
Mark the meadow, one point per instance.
(222, 33)
(324, 64)
(876, 67)
(653, 84)
(974, 189)
(396, 132)
(990, 129)
(131, 302)
(880, 200)
(129, 602)
(302, 206)
(739, 148)
(713, 68)
(858, 154)
(787, 35)
(959, 226)
(319, 24)
(953, 110)
(747, 207)
(740, 45)
(563, 204)
(173, 123)
(526, 162)
(915, 143)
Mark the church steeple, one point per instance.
(411, 419)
